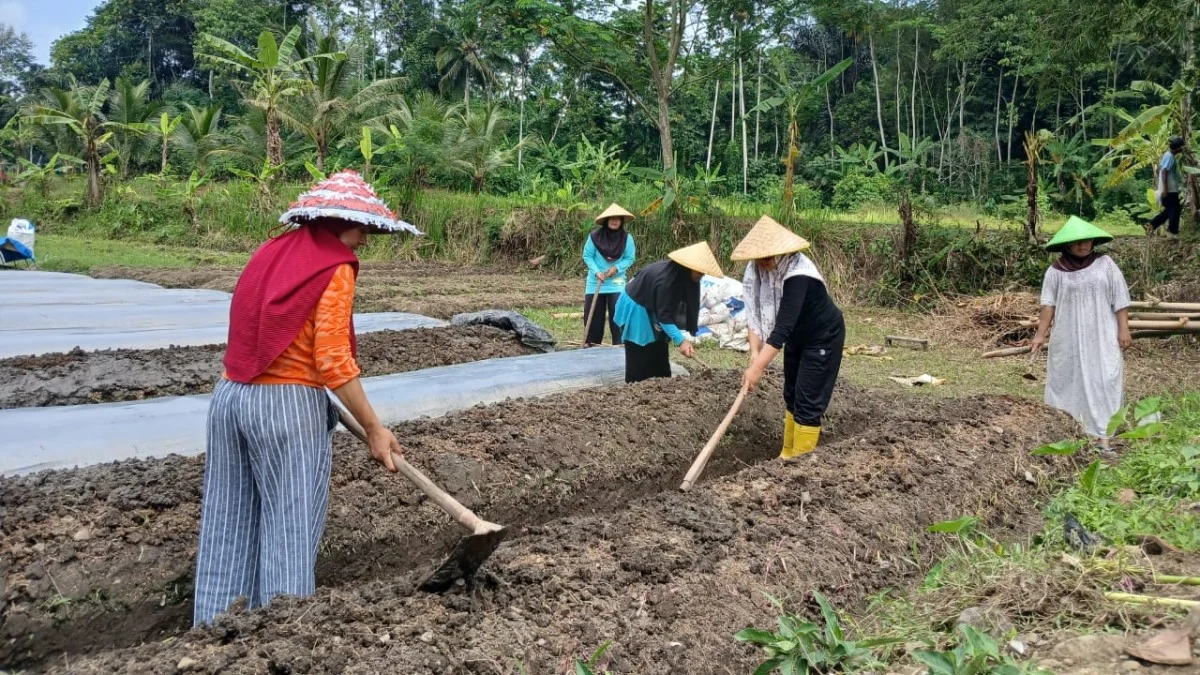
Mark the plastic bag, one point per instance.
(530, 334)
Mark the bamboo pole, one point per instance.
(1180, 325)
(1189, 330)
(1162, 316)
(1166, 306)
(1010, 351)
(1134, 599)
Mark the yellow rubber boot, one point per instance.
(789, 429)
(804, 440)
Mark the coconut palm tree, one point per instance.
(198, 136)
(324, 112)
(463, 56)
(131, 107)
(481, 146)
(79, 111)
(275, 74)
(421, 133)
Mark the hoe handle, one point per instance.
(587, 325)
(445, 502)
(693, 473)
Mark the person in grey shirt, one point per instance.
(1168, 189)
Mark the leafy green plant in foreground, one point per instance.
(589, 667)
(977, 654)
(800, 646)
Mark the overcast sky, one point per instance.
(46, 20)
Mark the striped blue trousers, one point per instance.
(266, 492)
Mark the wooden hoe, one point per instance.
(472, 550)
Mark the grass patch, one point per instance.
(1044, 586)
(966, 373)
(63, 253)
(1150, 491)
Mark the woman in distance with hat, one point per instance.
(657, 305)
(270, 423)
(1085, 296)
(788, 308)
(608, 253)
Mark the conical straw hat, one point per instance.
(345, 196)
(1077, 229)
(613, 210)
(767, 239)
(698, 257)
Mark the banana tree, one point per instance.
(167, 127)
(1145, 137)
(908, 173)
(793, 95)
(1035, 143)
(274, 72)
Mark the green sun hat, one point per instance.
(1077, 229)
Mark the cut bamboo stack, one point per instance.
(1147, 318)
(1152, 318)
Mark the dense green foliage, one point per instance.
(928, 98)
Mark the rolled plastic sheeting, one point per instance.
(49, 312)
(81, 435)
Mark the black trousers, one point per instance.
(643, 363)
(606, 308)
(1170, 212)
(809, 374)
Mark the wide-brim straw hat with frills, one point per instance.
(699, 258)
(614, 210)
(768, 239)
(1077, 229)
(346, 196)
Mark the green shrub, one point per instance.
(855, 190)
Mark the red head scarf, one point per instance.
(277, 292)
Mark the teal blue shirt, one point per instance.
(637, 326)
(596, 263)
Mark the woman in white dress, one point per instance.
(1085, 296)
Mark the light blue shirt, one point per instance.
(637, 326)
(596, 263)
(1169, 165)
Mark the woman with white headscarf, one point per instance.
(789, 309)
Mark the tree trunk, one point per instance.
(274, 141)
(1189, 75)
(962, 97)
(1032, 150)
(662, 74)
(712, 125)
(95, 189)
(1012, 109)
(916, 75)
(163, 168)
(742, 110)
(521, 126)
(789, 177)
(322, 153)
(899, 126)
(832, 136)
(757, 103)
(467, 89)
(996, 132)
(878, 98)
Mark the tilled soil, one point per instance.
(424, 287)
(131, 374)
(603, 546)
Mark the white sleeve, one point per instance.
(1118, 290)
(750, 297)
(1050, 288)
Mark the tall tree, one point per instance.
(274, 73)
(323, 112)
(80, 110)
(639, 51)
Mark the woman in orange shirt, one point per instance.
(270, 423)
